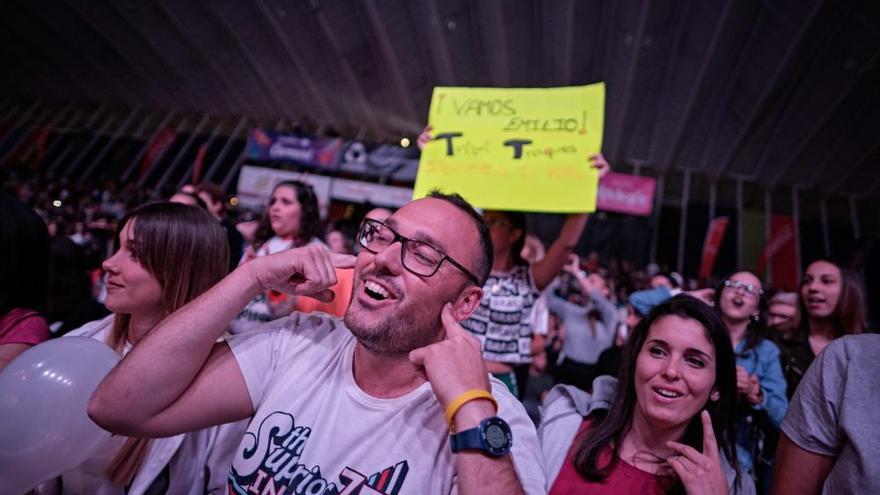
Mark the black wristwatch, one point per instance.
(492, 437)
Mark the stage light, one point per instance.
(233, 201)
(56, 203)
(404, 142)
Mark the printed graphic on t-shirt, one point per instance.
(503, 321)
(269, 463)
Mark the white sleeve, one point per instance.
(526, 450)
(257, 353)
(540, 316)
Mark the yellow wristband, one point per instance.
(463, 399)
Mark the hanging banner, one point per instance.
(156, 148)
(623, 193)
(384, 160)
(781, 252)
(309, 151)
(711, 245)
(515, 149)
(255, 186)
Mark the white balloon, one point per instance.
(44, 394)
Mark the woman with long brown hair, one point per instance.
(665, 425)
(166, 254)
(291, 220)
(832, 305)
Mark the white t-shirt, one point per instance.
(316, 432)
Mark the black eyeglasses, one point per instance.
(416, 256)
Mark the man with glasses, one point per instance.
(393, 399)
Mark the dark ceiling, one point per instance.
(778, 92)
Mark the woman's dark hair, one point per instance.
(609, 429)
(310, 225)
(24, 266)
(757, 327)
(517, 220)
(850, 315)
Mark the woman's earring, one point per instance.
(756, 317)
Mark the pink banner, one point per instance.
(623, 193)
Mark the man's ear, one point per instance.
(467, 302)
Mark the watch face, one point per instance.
(495, 436)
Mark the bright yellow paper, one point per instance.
(515, 149)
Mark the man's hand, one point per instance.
(705, 295)
(699, 472)
(455, 364)
(305, 271)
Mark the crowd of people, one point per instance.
(437, 349)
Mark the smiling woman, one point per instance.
(166, 254)
(665, 426)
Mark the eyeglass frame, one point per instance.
(736, 284)
(404, 242)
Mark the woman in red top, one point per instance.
(24, 278)
(665, 426)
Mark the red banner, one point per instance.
(42, 139)
(781, 251)
(714, 236)
(156, 147)
(623, 193)
(197, 165)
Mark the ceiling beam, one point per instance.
(34, 50)
(281, 104)
(633, 64)
(135, 162)
(772, 92)
(668, 73)
(426, 14)
(395, 76)
(314, 99)
(137, 72)
(176, 76)
(491, 16)
(240, 102)
(367, 113)
(189, 174)
(840, 97)
(108, 145)
(218, 160)
(175, 162)
(565, 8)
(88, 124)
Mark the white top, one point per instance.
(197, 462)
(316, 431)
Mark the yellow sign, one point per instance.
(515, 149)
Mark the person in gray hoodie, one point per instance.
(664, 426)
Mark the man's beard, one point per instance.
(396, 335)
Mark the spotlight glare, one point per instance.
(404, 142)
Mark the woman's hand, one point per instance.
(424, 137)
(748, 386)
(600, 163)
(700, 473)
